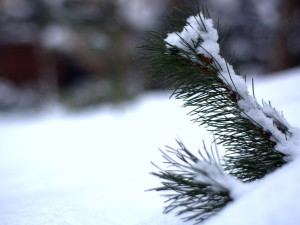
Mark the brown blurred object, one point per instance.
(281, 54)
(19, 64)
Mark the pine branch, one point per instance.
(196, 187)
(257, 138)
(190, 62)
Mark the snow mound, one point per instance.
(93, 167)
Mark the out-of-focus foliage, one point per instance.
(80, 52)
(76, 51)
(265, 34)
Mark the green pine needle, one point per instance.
(196, 199)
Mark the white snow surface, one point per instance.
(92, 167)
(273, 200)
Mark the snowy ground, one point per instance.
(93, 167)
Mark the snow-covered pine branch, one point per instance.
(199, 186)
(201, 38)
(258, 139)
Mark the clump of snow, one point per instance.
(272, 112)
(198, 27)
(291, 145)
(211, 173)
(251, 110)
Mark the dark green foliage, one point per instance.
(199, 200)
(214, 102)
(250, 148)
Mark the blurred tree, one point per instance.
(83, 49)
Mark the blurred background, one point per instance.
(80, 52)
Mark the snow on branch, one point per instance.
(200, 187)
(257, 138)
